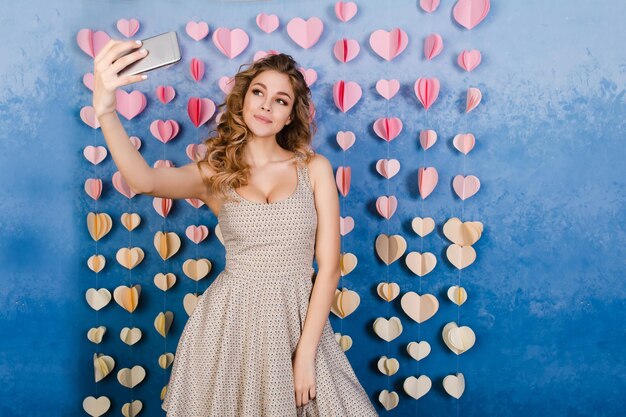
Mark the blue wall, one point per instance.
(546, 294)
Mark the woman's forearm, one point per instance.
(322, 297)
(127, 158)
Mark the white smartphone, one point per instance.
(162, 50)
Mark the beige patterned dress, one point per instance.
(234, 357)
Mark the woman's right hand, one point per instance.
(106, 66)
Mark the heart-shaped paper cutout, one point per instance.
(129, 257)
(419, 307)
(99, 224)
(95, 334)
(461, 256)
(164, 281)
(97, 299)
(462, 233)
(423, 226)
(190, 301)
(418, 351)
(388, 291)
(163, 322)
(130, 336)
(127, 297)
(420, 263)
(102, 365)
(305, 33)
(388, 366)
(348, 262)
(96, 263)
(96, 407)
(389, 400)
(390, 248)
(454, 385)
(166, 244)
(387, 329)
(132, 377)
(457, 294)
(345, 302)
(197, 269)
(268, 23)
(417, 387)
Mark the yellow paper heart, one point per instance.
(424, 226)
(420, 263)
(163, 392)
(197, 269)
(345, 302)
(131, 221)
(462, 233)
(347, 262)
(419, 307)
(164, 281)
(130, 336)
(218, 233)
(387, 329)
(388, 366)
(129, 257)
(418, 351)
(126, 297)
(454, 385)
(166, 244)
(130, 378)
(388, 291)
(132, 409)
(390, 248)
(96, 407)
(102, 365)
(98, 224)
(389, 400)
(166, 359)
(457, 294)
(96, 263)
(163, 322)
(95, 334)
(345, 341)
(461, 256)
(417, 387)
(189, 303)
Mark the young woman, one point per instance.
(259, 342)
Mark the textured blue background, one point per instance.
(546, 295)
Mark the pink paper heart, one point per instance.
(262, 54)
(429, 6)
(165, 94)
(386, 206)
(469, 13)
(230, 42)
(387, 88)
(464, 142)
(305, 33)
(88, 116)
(388, 168)
(427, 179)
(200, 110)
(197, 30)
(196, 151)
(310, 75)
(122, 186)
(345, 139)
(345, 10)
(468, 60)
(433, 45)
(162, 206)
(473, 99)
(159, 163)
(389, 45)
(128, 28)
(342, 179)
(164, 130)
(346, 94)
(427, 90)
(226, 84)
(194, 202)
(465, 187)
(135, 141)
(427, 138)
(197, 234)
(88, 80)
(91, 42)
(388, 128)
(268, 23)
(346, 225)
(130, 104)
(196, 69)
(346, 50)
(95, 154)
(93, 188)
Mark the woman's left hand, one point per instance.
(304, 378)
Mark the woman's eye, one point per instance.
(255, 91)
(282, 101)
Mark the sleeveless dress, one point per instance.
(234, 357)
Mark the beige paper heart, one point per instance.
(130, 336)
(130, 378)
(196, 269)
(166, 244)
(461, 256)
(189, 303)
(348, 262)
(388, 366)
(163, 322)
(218, 233)
(390, 248)
(388, 291)
(98, 224)
(387, 329)
(457, 294)
(163, 392)
(454, 385)
(345, 341)
(423, 226)
(95, 334)
(96, 263)
(458, 339)
(164, 281)
(96, 407)
(129, 257)
(98, 299)
(345, 302)
(419, 307)
(132, 409)
(418, 351)
(166, 359)
(420, 263)
(102, 366)
(127, 297)
(417, 387)
(462, 233)
(131, 221)
(389, 400)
